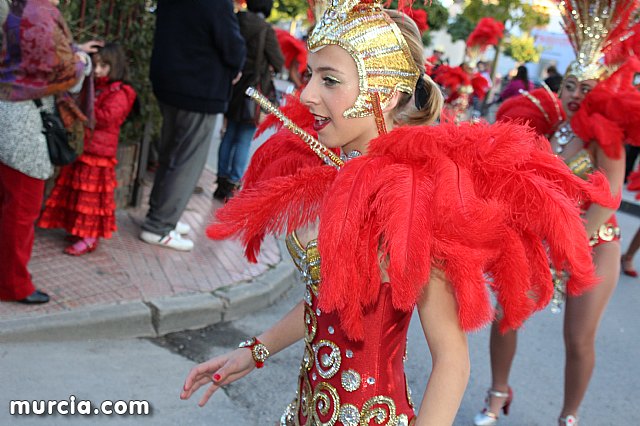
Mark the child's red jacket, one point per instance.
(114, 101)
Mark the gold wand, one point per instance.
(316, 146)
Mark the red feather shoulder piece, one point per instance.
(281, 189)
(541, 109)
(475, 200)
(487, 204)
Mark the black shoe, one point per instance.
(223, 190)
(35, 298)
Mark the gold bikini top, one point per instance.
(306, 259)
(581, 164)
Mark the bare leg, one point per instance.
(581, 321)
(627, 258)
(502, 348)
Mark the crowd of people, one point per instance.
(393, 202)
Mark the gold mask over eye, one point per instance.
(374, 41)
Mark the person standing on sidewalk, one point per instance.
(263, 55)
(198, 53)
(29, 71)
(82, 201)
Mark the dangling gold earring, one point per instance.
(378, 115)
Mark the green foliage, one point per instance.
(522, 49)
(290, 8)
(130, 23)
(514, 13)
(532, 18)
(460, 28)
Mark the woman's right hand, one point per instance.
(218, 372)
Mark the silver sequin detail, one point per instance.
(371, 380)
(349, 353)
(349, 415)
(318, 311)
(350, 380)
(331, 330)
(313, 376)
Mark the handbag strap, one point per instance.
(38, 103)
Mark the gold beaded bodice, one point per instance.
(343, 382)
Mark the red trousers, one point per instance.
(20, 203)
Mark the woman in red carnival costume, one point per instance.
(587, 127)
(409, 218)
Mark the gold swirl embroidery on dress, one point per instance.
(307, 358)
(607, 232)
(311, 323)
(581, 164)
(306, 397)
(325, 400)
(327, 364)
(370, 412)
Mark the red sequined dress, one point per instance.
(82, 201)
(342, 381)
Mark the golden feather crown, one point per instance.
(592, 28)
(370, 36)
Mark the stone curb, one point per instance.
(158, 316)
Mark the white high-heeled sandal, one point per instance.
(486, 417)
(569, 420)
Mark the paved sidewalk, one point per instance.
(129, 288)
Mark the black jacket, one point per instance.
(252, 26)
(197, 51)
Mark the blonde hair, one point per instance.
(406, 112)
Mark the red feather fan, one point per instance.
(522, 109)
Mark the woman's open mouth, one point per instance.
(320, 122)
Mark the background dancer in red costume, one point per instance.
(587, 130)
(411, 217)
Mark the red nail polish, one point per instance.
(216, 377)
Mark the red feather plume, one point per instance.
(487, 33)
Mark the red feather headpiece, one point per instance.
(541, 109)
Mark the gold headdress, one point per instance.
(381, 53)
(593, 27)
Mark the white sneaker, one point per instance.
(182, 228)
(171, 240)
